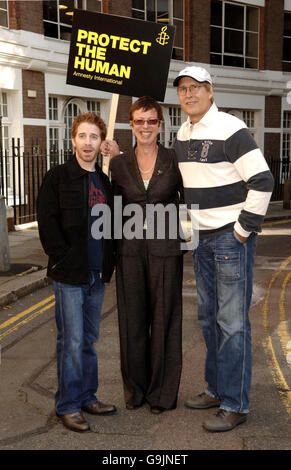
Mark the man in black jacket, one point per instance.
(79, 264)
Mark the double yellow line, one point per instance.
(38, 309)
(284, 334)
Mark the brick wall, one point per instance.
(273, 37)
(187, 24)
(124, 139)
(198, 31)
(272, 146)
(26, 15)
(123, 136)
(273, 111)
(272, 120)
(261, 39)
(33, 107)
(13, 16)
(124, 105)
(117, 7)
(34, 136)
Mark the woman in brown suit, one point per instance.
(149, 271)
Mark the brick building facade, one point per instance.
(245, 45)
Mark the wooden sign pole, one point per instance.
(110, 129)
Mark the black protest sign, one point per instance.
(120, 55)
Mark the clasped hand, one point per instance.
(109, 148)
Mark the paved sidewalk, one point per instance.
(28, 259)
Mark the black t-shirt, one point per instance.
(96, 196)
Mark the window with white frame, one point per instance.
(286, 145)
(234, 34)
(287, 43)
(4, 137)
(53, 108)
(72, 110)
(175, 123)
(4, 13)
(171, 124)
(3, 105)
(93, 107)
(164, 12)
(161, 136)
(54, 139)
(248, 116)
(5, 167)
(58, 15)
(54, 131)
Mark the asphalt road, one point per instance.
(28, 373)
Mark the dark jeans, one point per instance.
(224, 278)
(78, 311)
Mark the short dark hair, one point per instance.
(146, 103)
(91, 118)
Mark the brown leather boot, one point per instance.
(74, 422)
(99, 408)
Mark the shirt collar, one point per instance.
(207, 118)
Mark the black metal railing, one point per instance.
(281, 171)
(21, 174)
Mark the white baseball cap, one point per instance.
(198, 73)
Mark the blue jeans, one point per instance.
(224, 278)
(78, 310)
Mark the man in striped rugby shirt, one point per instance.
(226, 174)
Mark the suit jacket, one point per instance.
(165, 187)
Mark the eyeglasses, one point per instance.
(182, 90)
(140, 122)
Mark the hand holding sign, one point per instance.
(110, 147)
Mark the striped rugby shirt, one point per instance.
(224, 172)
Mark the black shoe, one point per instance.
(130, 406)
(99, 408)
(74, 422)
(156, 410)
